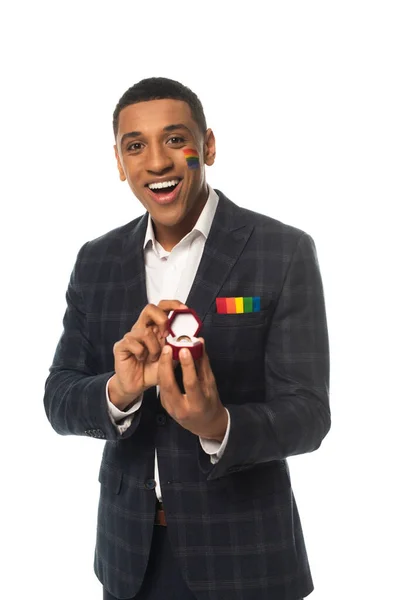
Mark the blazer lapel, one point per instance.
(133, 271)
(226, 241)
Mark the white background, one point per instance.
(304, 101)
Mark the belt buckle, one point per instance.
(160, 515)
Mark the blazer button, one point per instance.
(150, 484)
(161, 419)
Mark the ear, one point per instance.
(120, 168)
(209, 148)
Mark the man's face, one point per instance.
(152, 146)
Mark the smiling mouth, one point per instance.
(164, 193)
(164, 186)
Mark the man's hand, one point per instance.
(200, 410)
(136, 356)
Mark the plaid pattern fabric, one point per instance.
(233, 526)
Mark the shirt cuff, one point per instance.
(117, 415)
(216, 449)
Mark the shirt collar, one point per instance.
(203, 224)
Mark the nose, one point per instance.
(158, 160)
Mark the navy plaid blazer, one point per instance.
(233, 526)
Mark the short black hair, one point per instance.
(159, 88)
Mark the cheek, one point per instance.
(131, 179)
(131, 175)
(192, 158)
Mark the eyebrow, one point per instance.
(173, 127)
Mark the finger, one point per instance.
(129, 346)
(203, 365)
(189, 375)
(157, 333)
(169, 389)
(156, 315)
(150, 341)
(167, 305)
(151, 315)
(142, 343)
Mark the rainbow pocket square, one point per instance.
(238, 305)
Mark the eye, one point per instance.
(134, 146)
(177, 140)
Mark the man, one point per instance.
(196, 500)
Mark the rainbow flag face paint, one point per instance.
(238, 305)
(192, 158)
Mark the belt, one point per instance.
(160, 515)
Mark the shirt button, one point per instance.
(161, 419)
(150, 484)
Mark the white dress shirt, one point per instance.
(169, 276)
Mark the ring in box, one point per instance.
(183, 327)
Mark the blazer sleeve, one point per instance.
(75, 396)
(294, 416)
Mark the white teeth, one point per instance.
(165, 184)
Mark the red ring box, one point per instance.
(184, 321)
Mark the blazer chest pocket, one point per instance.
(235, 344)
(253, 319)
